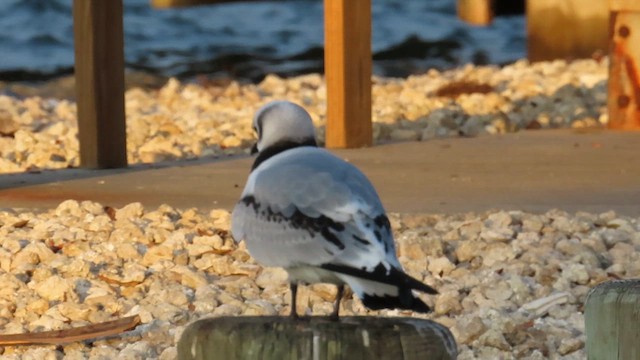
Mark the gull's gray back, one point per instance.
(305, 206)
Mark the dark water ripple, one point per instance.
(247, 40)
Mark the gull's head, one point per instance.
(280, 122)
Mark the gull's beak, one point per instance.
(254, 149)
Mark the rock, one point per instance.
(42, 354)
(570, 345)
(498, 292)
(138, 350)
(169, 353)
(448, 303)
(198, 249)
(494, 338)
(497, 253)
(499, 220)
(227, 310)
(472, 127)
(502, 234)
(469, 250)
(270, 277)
(8, 126)
(130, 211)
(212, 241)
(55, 288)
(468, 329)
(189, 277)
(441, 266)
(156, 254)
(38, 306)
(69, 208)
(471, 230)
(532, 223)
(128, 251)
(74, 311)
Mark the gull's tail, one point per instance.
(384, 288)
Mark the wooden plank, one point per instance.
(624, 69)
(624, 5)
(163, 4)
(612, 320)
(566, 29)
(318, 338)
(476, 12)
(347, 64)
(99, 71)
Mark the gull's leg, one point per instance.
(336, 307)
(294, 290)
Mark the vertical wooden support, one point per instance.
(612, 321)
(476, 12)
(99, 71)
(317, 338)
(566, 29)
(347, 64)
(624, 65)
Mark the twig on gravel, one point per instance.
(57, 337)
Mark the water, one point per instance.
(247, 40)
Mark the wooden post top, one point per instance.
(318, 338)
(612, 320)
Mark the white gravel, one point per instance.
(187, 120)
(512, 284)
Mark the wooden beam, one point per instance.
(624, 5)
(316, 337)
(476, 12)
(347, 66)
(163, 4)
(566, 29)
(612, 320)
(624, 65)
(99, 71)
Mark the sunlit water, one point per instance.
(247, 40)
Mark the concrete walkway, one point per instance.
(533, 171)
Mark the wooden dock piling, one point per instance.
(475, 12)
(347, 64)
(99, 72)
(317, 338)
(566, 29)
(612, 316)
(624, 65)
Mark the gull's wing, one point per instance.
(308, 207)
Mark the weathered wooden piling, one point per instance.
(317, 338)
(347, 67)
(99, 72)
(566, 29)
(476, 12)
(612, 316)
(624, 65)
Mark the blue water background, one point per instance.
(36, 38)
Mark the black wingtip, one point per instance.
(383, 275)
(420, 286)
(375, 302)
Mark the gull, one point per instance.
(318, 217)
